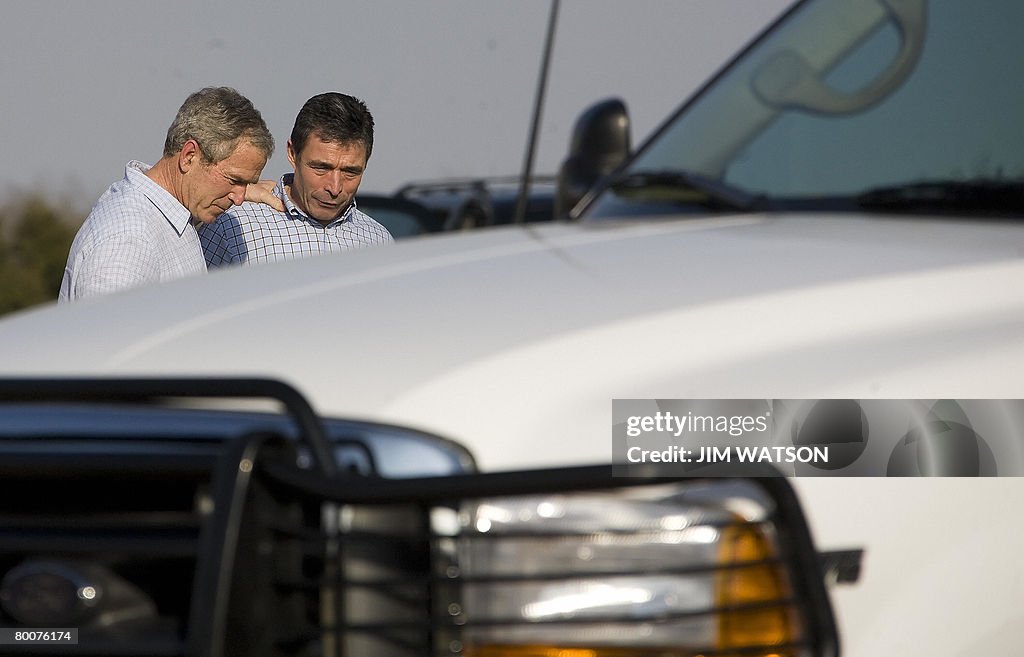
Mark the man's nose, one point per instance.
(237, 195)
(333, 183)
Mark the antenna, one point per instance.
(538, 108)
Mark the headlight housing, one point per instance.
(687, 568)
(574, 563)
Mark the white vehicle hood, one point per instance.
(507, 338)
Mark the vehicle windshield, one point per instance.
(868, 105)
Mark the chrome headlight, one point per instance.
(688, 568)
(569, 563)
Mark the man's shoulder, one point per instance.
(134, 198)
(121, 210)
(122, 193)
(241, 223)
(251, 211)
(114, 230)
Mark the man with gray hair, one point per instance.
(329, 147)
(143, 228)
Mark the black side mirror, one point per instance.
(600, 143)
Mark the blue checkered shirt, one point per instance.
(254, 232)
(136, 233)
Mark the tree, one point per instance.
(35, 237)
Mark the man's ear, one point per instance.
(291, 154)
(189, 155)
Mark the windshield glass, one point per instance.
(911, 105)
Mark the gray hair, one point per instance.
(217, 118)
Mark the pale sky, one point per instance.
(87, 86)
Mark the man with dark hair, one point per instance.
(328, 150)
(143, 228)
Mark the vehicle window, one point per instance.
(957, 117)
(904, 102)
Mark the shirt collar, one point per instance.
(174, 212)
(294, 211)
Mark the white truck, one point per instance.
(836, 215)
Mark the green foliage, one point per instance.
(35, 236)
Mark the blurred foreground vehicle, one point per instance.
(837, 215)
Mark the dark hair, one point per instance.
(334, 117)
(217, 118)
